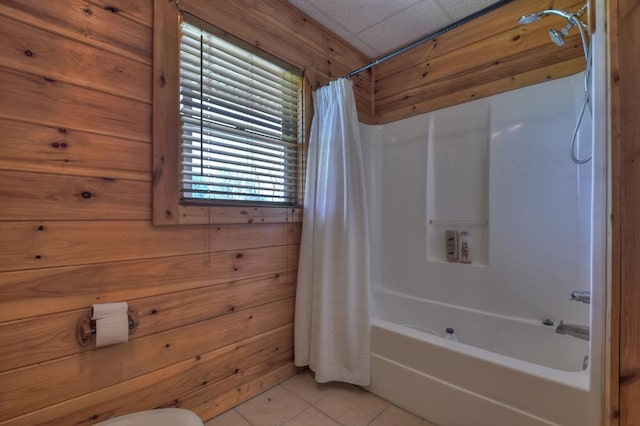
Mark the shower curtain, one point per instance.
(332, 333)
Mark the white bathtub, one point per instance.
(504, 371)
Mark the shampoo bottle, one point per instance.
(465, 247)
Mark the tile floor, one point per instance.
(300, 401)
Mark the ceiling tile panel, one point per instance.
(327, 20)
(410, 24)
(357, 15)
(376, 27)
(363, 47)
(459, 9)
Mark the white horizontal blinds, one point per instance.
(239, 117)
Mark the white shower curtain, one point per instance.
(332, 333)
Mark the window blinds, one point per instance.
(239, 115)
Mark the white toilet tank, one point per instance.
(159, 417)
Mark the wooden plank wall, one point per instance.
(625, 99)
(215, 302)
(611, 412)
(489, 55)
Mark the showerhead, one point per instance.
(530, 18)
(558, 36)
(535, 17)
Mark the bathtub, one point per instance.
(503, 371)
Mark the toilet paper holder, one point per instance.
(86, 327)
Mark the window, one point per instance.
(228, 119)
(239, 122)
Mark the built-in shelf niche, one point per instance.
(458, 179)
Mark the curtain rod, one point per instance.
(428, 37)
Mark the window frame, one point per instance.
(167, 171)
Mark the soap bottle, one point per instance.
(451, 334)
(465, 247)
(451, 239)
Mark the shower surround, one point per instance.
(499, 169)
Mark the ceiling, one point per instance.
(376, 27)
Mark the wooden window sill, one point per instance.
(224, 215)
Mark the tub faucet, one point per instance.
(579, 331)
(581, 296)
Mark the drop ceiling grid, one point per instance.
(376, 27)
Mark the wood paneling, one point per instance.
(237, 363)
(29, 245)
(231, 391)
(477, 30)
(240, 363)
(64, 378)
(490, 52)
(54, 336)
(136, 10)
(42, 53)
(490, 55)
(436, 82)
(625, 43)
(477, 91)
(35, 292)
(167, 209)
(246, 263)
(225, 215)
(94, 25)
(611, 412)
(214, 300)
(54, 150)
(50, 244)
(247, 236)
(44, 101)
(26, 196)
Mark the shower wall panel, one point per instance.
(536, 201)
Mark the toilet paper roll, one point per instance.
(112, 323)
(104, 310)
